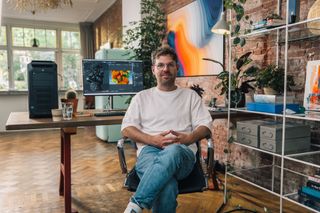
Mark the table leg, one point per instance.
(65, 166)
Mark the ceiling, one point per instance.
(81, 11)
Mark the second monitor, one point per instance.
(112, 77)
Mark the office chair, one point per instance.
(196, 181)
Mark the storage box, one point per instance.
(250, 140)
(274, 131)
(297, 137)
(248, 131)
(291, 145)
(271, 108)
(272, 99)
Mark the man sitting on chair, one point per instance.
(165, 121)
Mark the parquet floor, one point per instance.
(29, 178)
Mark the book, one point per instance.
(313, 185)
(272, 99)
(314, 179)
(308, 200)
(311, 192)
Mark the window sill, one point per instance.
(25, 92)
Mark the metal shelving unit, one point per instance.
(276, 174)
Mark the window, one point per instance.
(71, 59)
(4, 74)
(66, 54)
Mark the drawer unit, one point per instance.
(274, 131)
(250, 127)
(291, 145)
(246, 139)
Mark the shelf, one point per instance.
(311, 158)
(309, 116)
(257, 149)
(270, 30)
(253, 176)
(255, 112)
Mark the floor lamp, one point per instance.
(223, 28)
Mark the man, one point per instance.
(165, 121)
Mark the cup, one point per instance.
(56, 114)
(67, 110)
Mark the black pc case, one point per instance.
(43, 88)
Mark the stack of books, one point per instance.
(309, 195)
(272, 103)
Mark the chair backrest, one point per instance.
(195, 182)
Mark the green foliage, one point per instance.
(273, 77)
(241, 78)
(146, 35)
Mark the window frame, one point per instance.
(58, 51)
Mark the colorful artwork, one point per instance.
(190, 35)
(312, 88)
(120, 77)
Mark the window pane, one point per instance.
(20, 62)
(4, 74)
(75, 40)
(70, 40)
(71, 63)
(28, 36)
(51, 38)
(65, 39)
(3, 36)
(17, 36)
(40, 34)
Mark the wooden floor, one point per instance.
(29, 178)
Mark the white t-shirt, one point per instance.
(153, 111)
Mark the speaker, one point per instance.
(43, 88)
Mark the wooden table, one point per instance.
(21, 121)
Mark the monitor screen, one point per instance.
(112, 77)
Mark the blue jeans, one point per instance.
(159, 170)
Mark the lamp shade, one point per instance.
(221, 27)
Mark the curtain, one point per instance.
(87, 40)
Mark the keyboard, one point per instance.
(109, 113)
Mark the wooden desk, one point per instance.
(21, 121)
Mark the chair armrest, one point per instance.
(122, 158)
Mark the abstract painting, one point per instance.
(311, 99)
(190, 35)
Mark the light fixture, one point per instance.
(31, 5)
(221, 27)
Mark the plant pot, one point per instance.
(269, 91)
(238, 99)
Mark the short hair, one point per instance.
(164, 50)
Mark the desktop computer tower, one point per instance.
(43, 88)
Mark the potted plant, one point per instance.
(271, 80)
(71, 96)
(240, 80)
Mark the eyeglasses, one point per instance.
(161, 66)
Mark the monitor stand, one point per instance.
(109, 104)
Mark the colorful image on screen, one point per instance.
(120, 77)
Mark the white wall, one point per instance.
(130, 12)
(19, 103)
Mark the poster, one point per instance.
(311, 99)
(190, 35)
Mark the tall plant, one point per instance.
(146, 35)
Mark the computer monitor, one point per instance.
(112, 77)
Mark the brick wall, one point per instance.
(108, 27)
